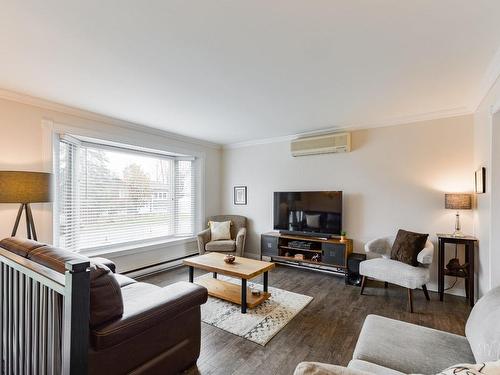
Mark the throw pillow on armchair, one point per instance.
(220, 230)
(407, 246)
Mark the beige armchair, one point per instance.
(236, 245)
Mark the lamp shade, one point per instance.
(458, 201)
(25, 187)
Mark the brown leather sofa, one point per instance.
(135, 328)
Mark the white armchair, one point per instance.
(382, 267)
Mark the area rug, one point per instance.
(259, 324)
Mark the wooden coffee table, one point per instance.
(242, 268)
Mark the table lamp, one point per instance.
(25, 188)
(458, 201)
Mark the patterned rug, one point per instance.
(259, 324)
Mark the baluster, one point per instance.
(35, 313)
(28, 305)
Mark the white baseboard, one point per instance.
(148, 271)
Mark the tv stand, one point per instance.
(312, 252)
(319, 236)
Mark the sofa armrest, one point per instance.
(426, 256)
(316, 368)
(108, 263)
(380, 246)
(240, 241)
(147, 310)
(203, 238)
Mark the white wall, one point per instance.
(395, 177)
(23, 146)
(487, 218)
(495, 199)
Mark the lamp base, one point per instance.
(458, 234)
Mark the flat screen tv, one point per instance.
(313, 213)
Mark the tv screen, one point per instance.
(308, 212)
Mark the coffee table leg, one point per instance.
(243, 296)
(266, 281)
(191, 274)
(215, 275)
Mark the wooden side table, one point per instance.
(468, 274)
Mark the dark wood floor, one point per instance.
(326, 330)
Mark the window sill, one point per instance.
(137, 248)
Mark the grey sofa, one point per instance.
(236, 245)
(391, 347)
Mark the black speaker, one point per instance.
(352, 276)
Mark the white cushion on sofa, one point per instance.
(485, 368)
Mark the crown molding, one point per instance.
(88, 115)
(491, 76)
(394, 121)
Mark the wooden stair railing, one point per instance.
(44, 317)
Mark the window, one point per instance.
(111, 196)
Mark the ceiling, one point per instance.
(233, 71)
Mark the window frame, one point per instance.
(155, 141)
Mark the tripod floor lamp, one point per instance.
(25, 188)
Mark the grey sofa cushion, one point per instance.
(372, 368)
(221, 245)
(316, 368)
(483, 327)
(410, 348)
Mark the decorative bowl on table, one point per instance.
(229, 259)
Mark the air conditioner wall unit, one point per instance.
(321, 144)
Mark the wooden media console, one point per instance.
(331, 253)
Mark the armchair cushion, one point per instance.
(407, 246)
(395, 272)
(222, 245)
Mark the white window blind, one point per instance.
(111, 196)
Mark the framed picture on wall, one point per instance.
(240, 195)
(480, 181)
